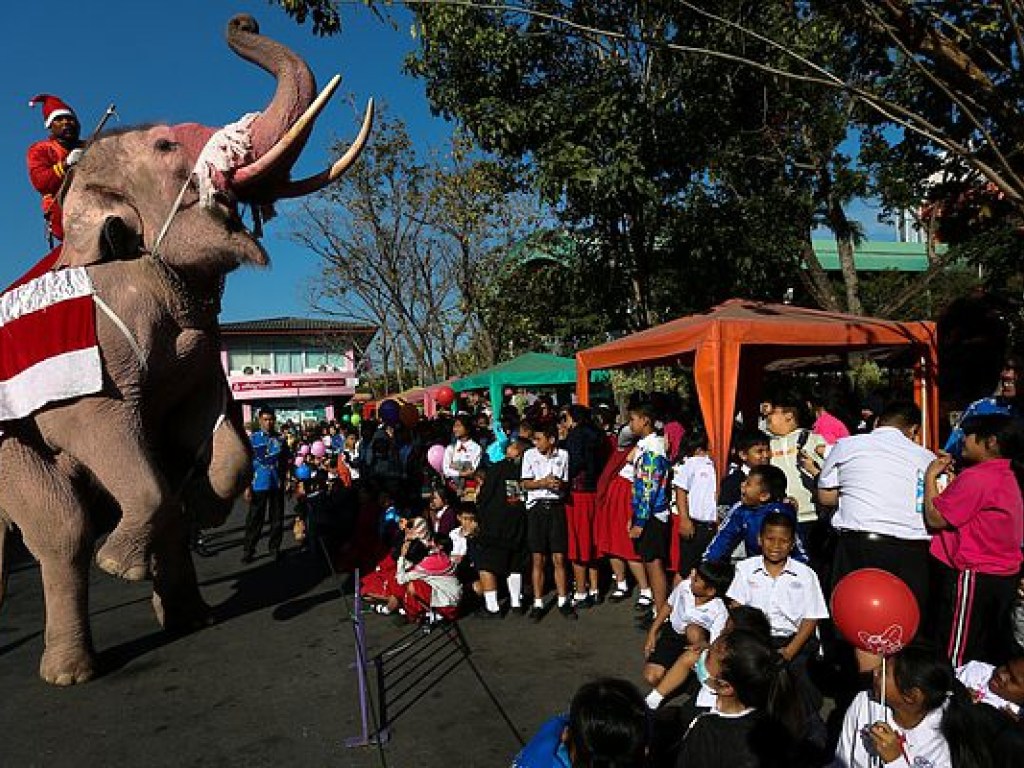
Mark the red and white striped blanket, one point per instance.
(48, 346)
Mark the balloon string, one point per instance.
(885, 712)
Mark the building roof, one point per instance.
(296, 326)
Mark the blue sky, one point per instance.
(169, 62)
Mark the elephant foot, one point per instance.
(182, 615)
(67, 666)
(124, 557)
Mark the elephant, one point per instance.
(152, 216)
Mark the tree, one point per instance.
(409, 244)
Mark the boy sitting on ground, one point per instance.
(696, 614)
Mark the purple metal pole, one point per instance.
(360, 638)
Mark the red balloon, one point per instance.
(875, 611)
(444, 395)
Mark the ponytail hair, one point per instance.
(608, 725)
(921, 666)
(762, 680)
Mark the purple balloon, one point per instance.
(389, 412)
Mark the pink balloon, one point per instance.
(303, 449)
(300, 460)
(435, 457)
(318, 448)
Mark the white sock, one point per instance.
(579, 597)
(647, 593)
(654, 699)
(491, 600)
(595, 592)
(538, 603)
(515, 589)
(622, 585)
(562, 600)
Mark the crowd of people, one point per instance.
(729, 576)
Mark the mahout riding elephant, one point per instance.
(152, 215)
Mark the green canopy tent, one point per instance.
(533, 369)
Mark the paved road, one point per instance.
(271, 682)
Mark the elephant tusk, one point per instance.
(247, 175)
(317, 182)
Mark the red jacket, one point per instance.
(46, 171)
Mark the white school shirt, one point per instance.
(461, 455)
(696, 476)
(924, 747)
(975, 675)
(787, 600)
(537, 466)
(711, 615)
(460, 545)
(877, 476)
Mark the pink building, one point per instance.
(305, 369)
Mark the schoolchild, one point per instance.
(501, 540)
(692, 617)
(694, 485)
(545, 478)
(976, 551)
(756, 720)
(753, 449)
(926, 720)
(649, 526)
(428, 574)
(789, 594)
(763, 492)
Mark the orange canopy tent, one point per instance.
(737, 339)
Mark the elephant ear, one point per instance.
(92, 240)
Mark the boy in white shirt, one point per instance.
(789, 594)
(695, 614)
(694, 485)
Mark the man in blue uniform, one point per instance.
(266, 494)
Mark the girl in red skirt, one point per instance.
(612, 518)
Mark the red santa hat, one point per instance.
(53, 108)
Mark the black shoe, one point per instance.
(522, 610)
(596, 598)
(247, 558)
(483, 613)
(536, 614)
(643, 603)
(278, 555)
(645, 622)
(568, 611)
(618, 595)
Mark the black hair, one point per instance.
(608, 725)
(468, 423)
(548, 428)
(696, 439)
(790, 402)
(747, 618)
(901, 414)
(266, 410)
(443, 542)
(1007, 433)
(773, 479)
(646, 410)
(921, 666)
(524, 443)
(580, 414)
(465, 508)
(747, 439)
(448, 496)
(762, 680)
(717, 575)
(416, 551)
(780, 519)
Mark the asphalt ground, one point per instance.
(272, 681)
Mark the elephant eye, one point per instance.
(166, 145)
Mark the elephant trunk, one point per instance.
(296, 89)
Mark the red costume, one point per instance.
(46, 163)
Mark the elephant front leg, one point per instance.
(106, 437)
